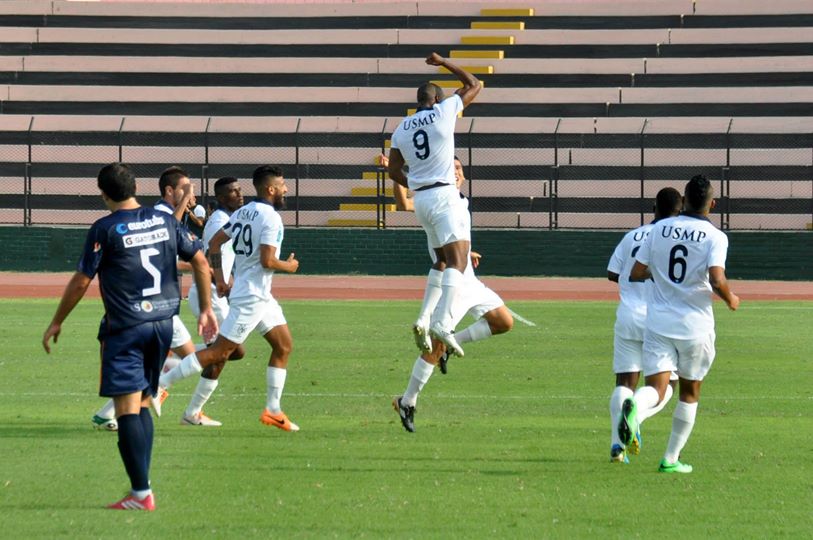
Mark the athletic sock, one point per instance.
(132, 447)
(620, 393)
(275, 380)
(682, 424)
(108, 410)
(474, 332)
(643, 415)
(189, 366)
(645, 398)
(421, 372)
(203, 391)
(171, 361)
(149, 430)
(452, 286)
(431, 295)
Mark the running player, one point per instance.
(685, 257)
(257, 233)
(630, 318)
(134, 251)
(424, 142)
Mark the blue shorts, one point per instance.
(132, 358)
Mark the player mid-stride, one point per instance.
(425, 143)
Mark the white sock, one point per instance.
(171, 361)
(275, 380)
(421, 372)
(645, 398)
(189, 366)
(682, 424)
(643, 415)
(452, 286)
(203, 391)
(431, 295)
(108, 410)
(140, 494)
(474, 332)
(620, 393)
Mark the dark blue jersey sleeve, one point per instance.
(94, 249)
(188, 243)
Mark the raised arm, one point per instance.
(719, 284)
(471, 84)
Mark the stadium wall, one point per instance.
(752, 255)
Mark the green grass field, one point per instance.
(513, 442)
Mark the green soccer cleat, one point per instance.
(628, 426)
(676, 467)
(105, 424)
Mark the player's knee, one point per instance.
(238, 353)
(213, 371)
(502, 323)
(283, 349)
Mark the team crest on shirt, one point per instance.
(146, 306)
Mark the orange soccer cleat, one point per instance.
(279, 420)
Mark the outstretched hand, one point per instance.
(207, 325)
(435, 59)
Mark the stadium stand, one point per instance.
(588, 107)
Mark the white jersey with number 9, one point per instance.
(426, 141)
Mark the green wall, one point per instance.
(752, 255)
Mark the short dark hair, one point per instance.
(117, 181)
(698, 193)
(427, 92)
(668, 202)
(170, 178)
(222, 183)
(264, 172)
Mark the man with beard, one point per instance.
(256, 232)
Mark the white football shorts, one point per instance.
(690, 358)
(251, 313)
(628, 355)
(219, 305)
(479, 300)
(180, 335)
(443, 215)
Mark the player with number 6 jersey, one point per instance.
(685, 256)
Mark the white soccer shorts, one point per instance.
(690, 358)
(251, 313)
(443, 216)
(180, 335)
(219, 305)
(628, 355)
(478, 300)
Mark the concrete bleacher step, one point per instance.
(359, 207)
(476, 70)
(369, 192)
(498, 25)
(343, 222)
(507, 12)
(487, 40)
(492, 55)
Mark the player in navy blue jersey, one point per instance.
(133, 250)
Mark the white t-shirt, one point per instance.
(630, 317)
(252, 225)
(426, 141)
(679, 252)
(217, 220)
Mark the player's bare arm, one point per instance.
(269, 260)
(719, 284)
(640, 272)
(74, 291)
(395, 167)
(471, 84)
(612, 276)
(216, 261)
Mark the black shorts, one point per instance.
(133, 357)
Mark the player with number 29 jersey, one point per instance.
(254, 224)
(679, 251)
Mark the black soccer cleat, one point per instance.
(406, 413)
(443, 361)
